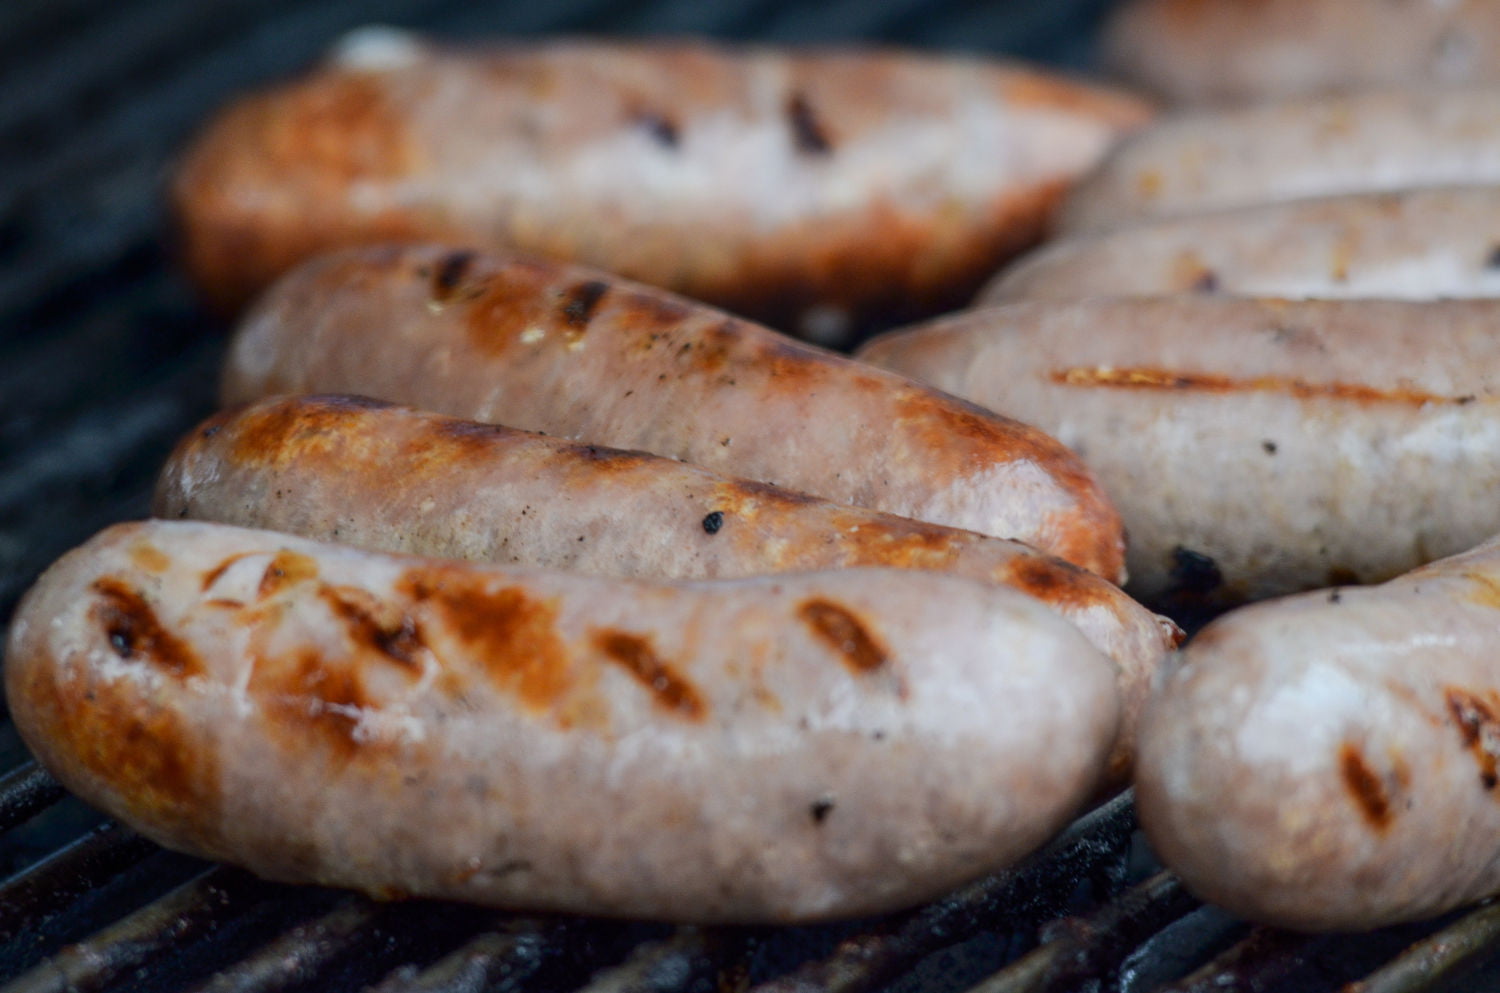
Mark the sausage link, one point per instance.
(764, 750)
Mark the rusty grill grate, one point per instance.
(104, 361)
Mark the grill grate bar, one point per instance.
(1261, 961)
(46, 888)
(298, 954)
(162, 926)
(1092, 946)
(1036, 888)
(26, 791)
(494, 962)
(676, 962)
(1439, 956)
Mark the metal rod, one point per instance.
(676, 962)
(25, 792)
(297, 955)
(1092, 946)
(42, 889)
(1259, 962)
(1038, 886)
(494, 962)
(1438, 956)
(164, 925)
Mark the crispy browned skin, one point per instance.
(809, 190)
(573, 352)
(779, 749)
(1216, 51)
(1329, 761)
(399, 480)
(1254, 447)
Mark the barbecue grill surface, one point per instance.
(105, 359)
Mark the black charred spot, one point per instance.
(1466, 399)
(1269, 446)
(580, 302)
(1335, 597)
(1195, 572)
(450, 273)
(136, 634)
(662, 129)
(807, 132)
(820, 809)
(212, 430)
(713, 522)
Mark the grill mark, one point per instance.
(1056, 582)
(842, 631)
(1479, 728)
(213, 575)
(581, 301)
(135, 632)
(286, 569)
(399, 642)
(807, 131)
(1365, 786)
(636, 655)
(1164, 379)
(449, 274)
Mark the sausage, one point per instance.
(1374, 141)
(1327, 762)
(1413, 244)
(813, 189)
(399, 480)
(762, 750)
(573, 352)
(1233, 51)
(1254, 447)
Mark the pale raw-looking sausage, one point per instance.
(1254, 447)
(1230, 51)
(576, 353)
(394, 479)
(776, 749)
(1411, 244)
(1375, 141)
(1329, 761)
(815, 190)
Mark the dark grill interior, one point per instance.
(105, 360)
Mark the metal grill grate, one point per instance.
(104, 361)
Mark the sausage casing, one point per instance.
(813, 190)
(1254, 447)
(1328, 761)
(394, 479)
(1412, 244)
(1366, 142)
(1232, 51)
(775, 749)
(575, 353)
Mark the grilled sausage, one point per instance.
(1254, 447)
(808, 189)
(573, 352)
(1415, 244)
(398, 480)
(777, 749)
(1328, 761)
(1216, 51)
(1365, 142)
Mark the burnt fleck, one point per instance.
(581, 301)
(1207, 282)
(841, 629)
(1365, 786)
(1479, 726)
(1466, 399)
(820, 809)
(807, 132)
(662, 129)
(1492, 261)
(1269, 446)
(1342, 576)
(1335, 597)
(450, 272)
(135, 632)
(639, 659)
(212, 430)
(1195, 572)
(713, 522)
(399, 641)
